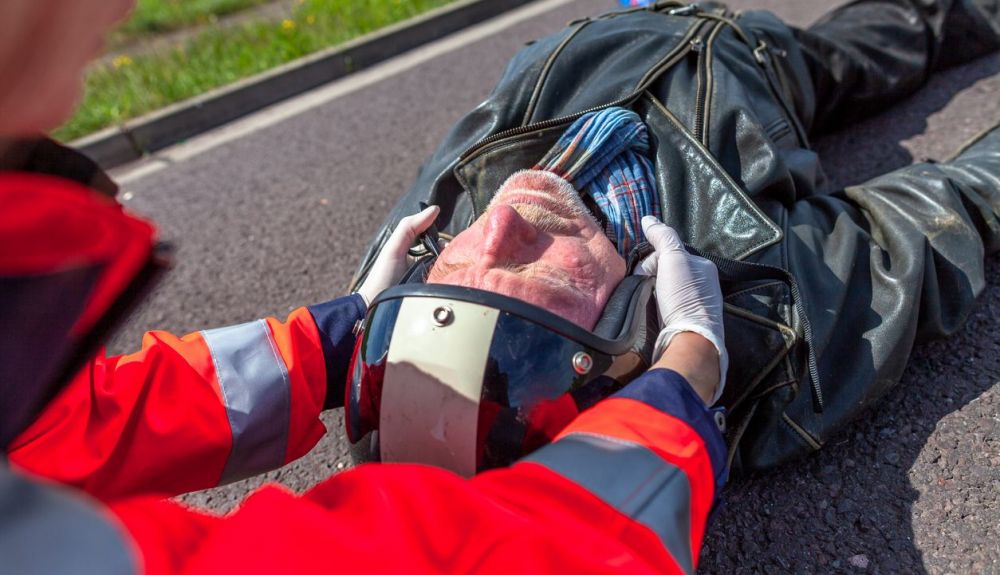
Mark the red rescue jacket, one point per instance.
(626, 487)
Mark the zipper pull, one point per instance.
(759, 53)
(689, 10)
(697, 45)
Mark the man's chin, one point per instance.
(562, 300)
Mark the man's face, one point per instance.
(538, 243)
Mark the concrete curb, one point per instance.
(130, 141)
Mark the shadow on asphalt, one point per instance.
(851, 506)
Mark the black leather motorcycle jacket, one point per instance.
(826, 289)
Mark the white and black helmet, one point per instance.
(469, 380)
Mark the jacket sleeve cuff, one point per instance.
(668, 391)
(335, 321)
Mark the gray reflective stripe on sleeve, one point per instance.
(48, 529)
(255, 388)
(632, 479)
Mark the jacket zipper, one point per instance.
(801, 432)
(682, 49)
(765, 58)
(544, 75)
(762, 55)
(704, 81)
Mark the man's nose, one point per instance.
(506, 235)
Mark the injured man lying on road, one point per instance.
(553, 189)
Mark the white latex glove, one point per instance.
(688, 293)
(391, 263)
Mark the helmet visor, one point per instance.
(462, 379)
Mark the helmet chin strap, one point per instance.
(430, 414)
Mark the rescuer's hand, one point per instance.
(688, 296)
(390, 265)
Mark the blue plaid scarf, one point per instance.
(605, 154)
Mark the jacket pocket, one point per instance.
(757, 339)
(781, 133)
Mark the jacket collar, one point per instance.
(698, 197)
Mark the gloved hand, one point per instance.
(688, 293)
(391, 263)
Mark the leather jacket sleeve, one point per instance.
(192, 412)
(866, 56)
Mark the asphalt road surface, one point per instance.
(273, 212)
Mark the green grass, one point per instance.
(158, 16)
(132, 86)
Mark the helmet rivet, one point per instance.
(582, 362)
(443, 316)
